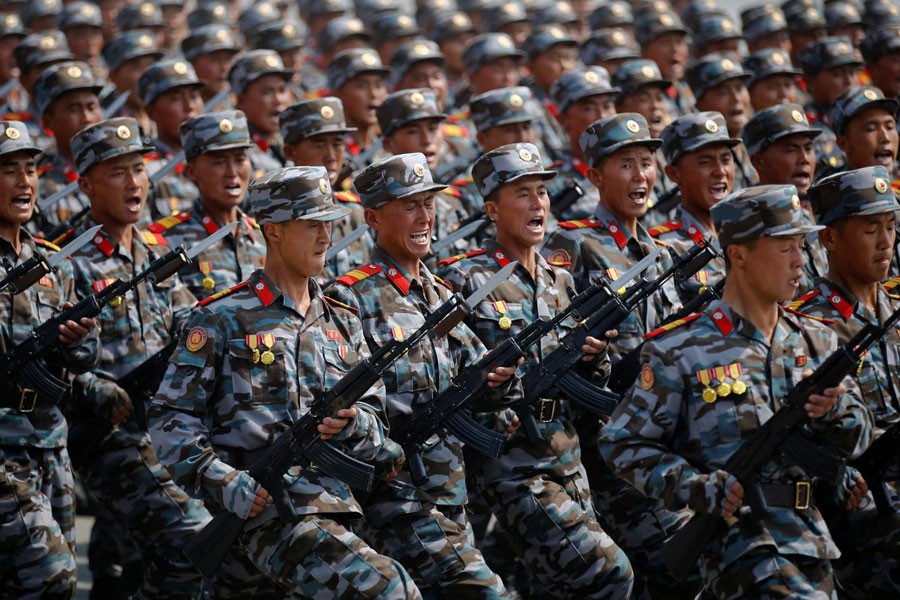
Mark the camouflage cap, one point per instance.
(405, 106)
(302, 193)
(642, 8)
(11, 25)
(254, 64)
(130, 45)
(164, 76)
(140, 15)
(879, 42)
(487, 48)
(451, 25)
(506, 164)
(214, 131)
(841, 14)
(427, 15)
(33, 10)
(654, 24)
(499, 16)
(40, 49)
(696, 10)
(61, 78)
(610, 134)
(502, 106)
(348, 64)
(412, 53)
(828, 53)
(559, 13)
(773, 123)
(208, 39)
(376, 8)
(105, 140)
(637, 74)
(856, 100)
(712, 70)
(14, 137)
(255, 16)
(882, 13)
(578, 84)
(281, 36)
(79, 14)
(854, 193)
(312, 117)
(767, 62)
(202, 16)
(693, 132)
(759, 211)
(614, 14)
(715, 27)
(340, 29)
(762, 21)
(801, 17)
(389, 27)
(608, 44)
(395, 178)
(314, 8)
(544, 37)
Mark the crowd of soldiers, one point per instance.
(329, 175)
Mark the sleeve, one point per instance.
(82, 355)
(563, 251)
(183, 301)
(470, 350)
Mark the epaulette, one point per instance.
(463, 182)
(356, 275)
(18, 116)
(588, 223)
(65, 237)
(46, 244)
(794, 305)
(223, 293)
(316, 94)
(169, 222)
(814, 318)
(891, 283)
(458, 116)
(339, 304)
(670, 326)
(673, 225)
(44, 169)
(454, 259)
(347, 196)
(442, 282)
(452, 191)
(153, 239)
(453, 130)
(252, 222)
(151, 157)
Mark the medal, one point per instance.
(709, 395)
(267, 357)
(209, 283)
(205, 267)
(739, 387)
(504, 322)
(723, 390)
(252, 342)
(255, 356)
(115, 302)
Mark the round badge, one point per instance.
(795, 201)
(591, 77)
(711, 126)
(504, 42)
(516, 101)
(74, 72)
(556, 33)
(267, 357)
(144, 41)
(500, 255)
(271, 62)
(647, 378)
(289, 30)
(265, 9)
(416, 98)
(709, 395)
(326, 112)
(726, 65)
(616, 10)
(324, 187)
(196, 339)
(504, 322)
(208, 283)
(648, 72)
(146, 9)
(47, 42)
(219, 11)
(870, 95)
(123, 133)
(509, 8)
(368, 59)
(739, 387)
(226, 126)
(353, 26)
(13, 133)
(777, 58)
(632, 126)
(404, 21)
(666, 20)
(841, 48)
(12, 21)
(460, 20)
(797, 116)
(392, 272)
(419, 169)
(420, 49)
(881, 186)
(525, 155)
(180, 68)
(618, 38)
(723, 390)
(221, 35)
(726, 26)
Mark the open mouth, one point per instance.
(419, 237)
(656, 119)
(801, 178)
(718, 190)
(536, 225)
(133, 203)
(233, 189)
(884, 157)
(639, 196)
(22, 201)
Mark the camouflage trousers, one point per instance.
(137, 491)
(436, 545)
(552, 524)
(317, 557)
(37, 524)
(763, 574)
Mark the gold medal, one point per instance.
(209, 283)
(505, 322)
(255, 356)
(267, 357)
(739, 387)
(709, 395)
(723, 390)
(117, 301)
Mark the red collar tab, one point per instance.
(722, 322)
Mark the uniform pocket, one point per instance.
(253, 381)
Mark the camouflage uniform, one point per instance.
(724, 380)
(37, 502)
(124, 473)
(539, 492)
(208, 438)
(423, 526)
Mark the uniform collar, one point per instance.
(269, 294)
(543, 267)
(401, 280)
(730, 323)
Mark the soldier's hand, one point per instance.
(262, 500)
(331, 426)
(818, 405)
(859, 491)
(72, 331)
(501, 375)
(121, 410)
(513, 426)
(593, 347)
(734, 498)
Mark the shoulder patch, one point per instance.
(347, 196)
(589, 223)
(356, 275)
(452, 191)
(332, 302)
(796, 304)
(673, 225)
(169, 222)
(454, 259)
(559, 258)
(45, 244)
(463, 182)
(891, 283)
(814, 318)
(62, 239)
(670, 326)
(223, 293)
(153, 239)
(442, 282)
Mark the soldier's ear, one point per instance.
(595, 176)
(371, 216)
(479, 137)
(843, 143)
(189, 171)
(827, 237)
(758, 161)
(272, 232)
(491, 208)
(673, 174)
(737, 255)
(387, 142)
(85, 185)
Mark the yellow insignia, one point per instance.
(13, 20)
(460, 20)
(739, 387)
(327, 112)
(711, 126)
(144, 41)
(726, 26)
(47, 42)
(289, 30)
(146, 9)
(416, 98)
(591, 77)
(726, 65)
(13, 133)
(632, 126)
(647, 378)
(267, 357)
(666, 20)
(870, 95)
(556, 33)
(226, 126)
(122, 132)
(525, 155)
(778, 59)
(709, 395)
(208, 283)
(180, 68)
(265, 9)
(219, 11)
(881, 186)
(271, 61)
(616, 9)
(618, 38)
(841, 48)
(420, 49)
(795, 201)
(796, 115)
(504, 42)
(509, 8)
(324, 187)
(504, 322)
(833, 161)
(221, 35)
(516, 101)
(723, 390)
(648, 72)
(404, 21)
(74, 72)
(368, 59)
(419, 169)
(196, 339)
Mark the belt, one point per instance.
(22, 399)
(797, 495)
(547, 409)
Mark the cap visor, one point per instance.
(329, 214)
(545, 175)
(878, 208)
(32, 150)
(421, 188)
(231, 146)
(802, 230)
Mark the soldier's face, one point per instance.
(871, 139)
(670, 52)
(69, 114)
(326, 150)
(704, 176)
(547, 67)
(584, 112)
(128, 74)
(426, 75)
(518, 31)
(174, 107)
(18, 187)
(855, 32)
(404, 227)
(779, 40)
(302, 246)
(452, 49)
(861, 248)
(772, 267)
(212, 68)
(501, 72)
(802, 40)
(777, 89)
(85, 42)
(494, 137)
(263, 101)
(625, 180)
(361, 96)
(222, 177)
(730, 98)
(118, 189)
(422, 135)
(886, 74)
(8, 67)
(791, 159)
(649, 102)
(831, 83)
(520, 213)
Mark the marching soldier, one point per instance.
(128, 56)
(806, 26)
(609, 49)
(491, 61)
(453, 32)
(715, 33)
(83, 26)
(881, 51)
(865, 123)
(765, 27)
(663, 40)
(287, 39)
(773, 78)
(210, 50)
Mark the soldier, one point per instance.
(343, 33)
(36, 484)
(288, 40)
(663, 40)
(215, 151)
(453, 32)
(40, 16)
(806, 26)
(81, 23)
(773, 78)
(392, 30)
(422, 526)
(128, 56)
(765, 27)
(509, 18)
(491, 61)
(881, 51)
(700, 162)
(858, 209)
(709, 383)
(616, 14)
(170, 92)
(210, 50)
(255, 16)
(609, 49)
(843, 20)
(121, 468)
(11, 32)
(539, 492)
(865, 123)
(716, 33)
(145, 15)
(174, 14)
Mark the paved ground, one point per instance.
(82, 536)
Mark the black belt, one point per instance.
(22, 399)
(797, 495)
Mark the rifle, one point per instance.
(113, 107)
(564, 199)
(301, 443)
(24, 275)
(777, 435)
(874, 464)
(345, 241)
(607, 311)
(70, 223)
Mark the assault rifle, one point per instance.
(24, 275)
(875, 463)
(564, 200)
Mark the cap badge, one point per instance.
(711, 126)
(219, 11)
(666, 20)
(289, 30)
(47, 42)
(420, 49)
(632, 126)
(221, 35)
(842, 48)
(146, 9)
(123, 132)
(86, 10)
(648, 71)
(416, 98)
(419, 169)
(556, 33)
(180, 68)
(404, 21)
(797, 116)
(324, 187)
(525, 155)
(795, 202)
(459, 20)
(509, 8)
(726, 26)
(226, 126)
(616, 10)
(777, 58)
(881, 186)
(265, 10)
(516, 101)
(13, 133)
(368, 59)
(326, 112)
(271, 61)
(870, 94)
(74, 72)
(618, 38)
(727, 65)
(144, 41)
(591, 77)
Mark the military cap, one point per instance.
(499, 16)
(856, 100)
(376, 8)
(429, 14)
(759, 211)
(655, 24)
(762, 21)
(302, 193)
(642, 8)
(842, 14)
(614, 14)
(140, 15)
(715, 27)
(828, 53)
(208, 39)
(608, 44)
(340, 29)
(130, 45)
(882, 13)
(767, 62)
(506, 164)
(312, 117)
(502, 106)
(78, 14)
(487, 48)
(280, 36)
(693, 132)
(255, 16)
(637, 74)
(394, 26)
(802, 16)
(105, 140)
(773, 123)
(698, 10)
(559, 12)
(40, 49)
(577, 84)
(712, 70)
(314, 8)
(412, 53)
(61, 78)
(214, 131)
(451, 24)
(610, 134)
(881, 41)
(33, 10)
(164, 76)
(10, 25)
(544, 37)
(856, 193)
(14, 138)
(202, 16)
(405, 106)
(394, 178)
(348, 64)
(252, 65)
